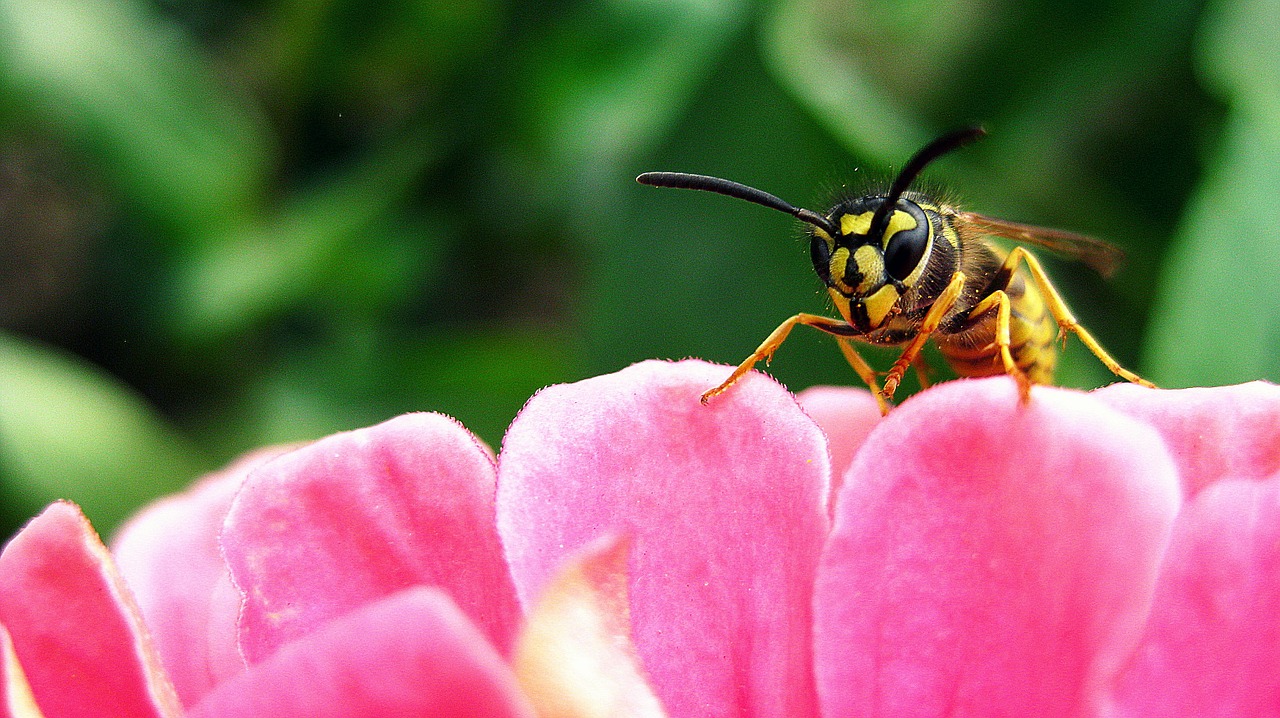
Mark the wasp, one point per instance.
(902, 268)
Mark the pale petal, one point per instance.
(991, 558)
(575, 658)
(411, 654)
(15, 692)
(846, 416)
(357, 516)
(74, 626)
(1212, 646)
(726, 507)
(170, 557)
(1212, 433)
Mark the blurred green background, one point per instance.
(228, 224)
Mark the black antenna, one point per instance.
(930, 152)
(681, 180)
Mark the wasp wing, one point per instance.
(1102, 257)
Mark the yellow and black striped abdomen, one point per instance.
(971, 349)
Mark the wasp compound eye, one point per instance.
(906, 240)
(820, 253)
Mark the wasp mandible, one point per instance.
(903, 268)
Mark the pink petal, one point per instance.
(16, 700)
(74, 626)
(170, 557)
(991, 558)
(1212, 434)
(726, 507)
(410, 654)
(575, 657)
(846, 416)
(360, 515)
(1212, 646)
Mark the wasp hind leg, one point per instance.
(1066, 320)
(839, 329)
(922, 371)
(1003, 340)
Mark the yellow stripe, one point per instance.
(855, 223)
(837, 268)
(870, 263)
(842, 304)
(899, 222)
(879, 304)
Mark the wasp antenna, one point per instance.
(951, 141)
(729, 188)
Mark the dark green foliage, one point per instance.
(226, 224)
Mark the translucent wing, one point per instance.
(1104, 258)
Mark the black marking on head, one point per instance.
(858, 314)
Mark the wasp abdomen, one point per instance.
(971, 349)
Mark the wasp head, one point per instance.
(870, 250)
(867, 268)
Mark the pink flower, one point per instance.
(1105, 554)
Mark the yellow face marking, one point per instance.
(855, 223)
(879, 304)
(870, 263)
(898, 222)
(839, 261)
(860, 223)
(842, 304)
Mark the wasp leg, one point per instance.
(865, 371)
(1004, 313)
(774, 340)
(928, 325)
(1066, 320)
(922, 371)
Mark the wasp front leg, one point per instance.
(841, 330)
(865, 372)
(928, 326)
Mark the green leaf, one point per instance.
(70, 431)
(681, 274)
(241, 277)
(481, 377)
(618, 73)
(843, 92)
(1217, 319)
(139, 94)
